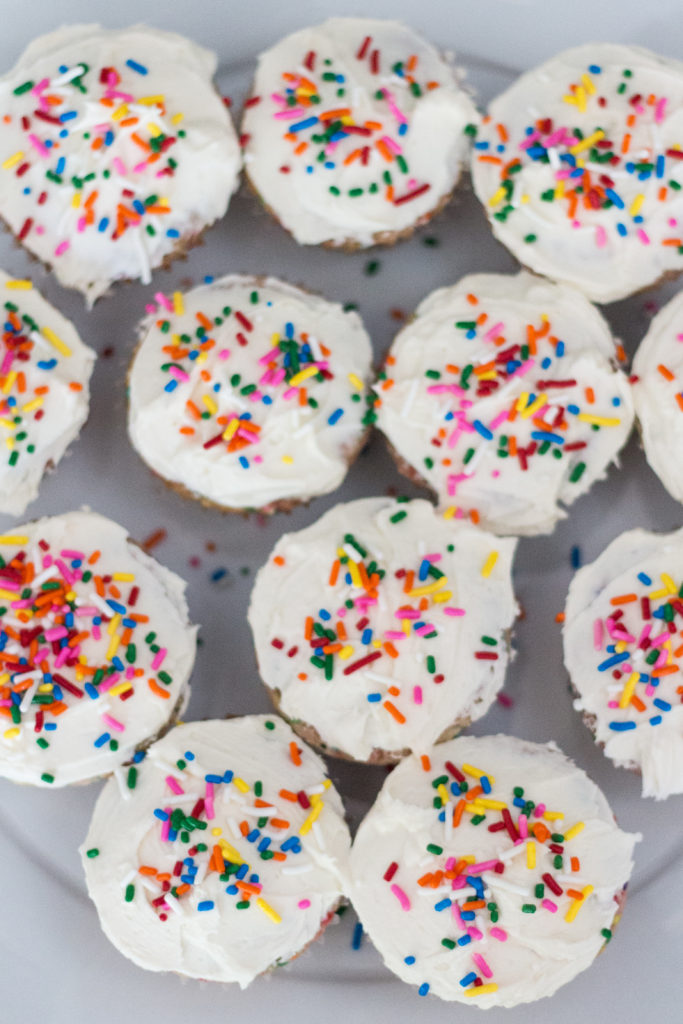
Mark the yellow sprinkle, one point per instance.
(76, 201)
(178, 306)
(123, 577)
(302, 375)
(154, 129)
(356, 381)
(586, 143)
(9, 443)
(581, 98)
(210, 404)
(531, 855)
(216, 831)
(574, 831)
(288, 459)
(477, 773)
(531, 410)
(497, 196)
(55, 341)
(525, 198)
(4, 678)
(231, 429)
(9, 382)
(120, 112)
(10, 734)
(669, 583)
(443, 793)
(481, 990)
(628, 690)
(45, 688)
(376, 643)
(559, 189)
(113, 647)
(177, 118)
(268, 910)
(20, 284)
(620, 646)
(552, 815)
(522, 400)
(429, 588)
(114, 624)
(600, 421)
(473, 808)
(7, 424)
(120, 688)
(405, 626)
(345, 652)
(487, 568)
(11, 161)
(636, 204)
(656, 594)
(445, 595)
(589, 84)
(450, 511)
(313, 816)
(241, 784)
(13, 538)
(149, 101)
(230, 852)
(491, 805)
(354, 573)
(576, 905)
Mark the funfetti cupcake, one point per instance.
(248, 393)
(44, 390)
(503, 395)
(490, 871)
(578, 165)
(355, 133)
(225, 856)
(382, 628)
(658, 395)
(116, 152)
(95, 649)
(623, 641)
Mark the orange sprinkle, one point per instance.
(623, 599)
(394, 712)
(426, 763)
(155, 688)
(295, 753)
(472, 299)
(575, 864)
(94, 557)
(590, 396)
(279, 560)
(390, 649)
(665, 670)
(458, 812)
(665, 372)
(287, 794)
(145, 869)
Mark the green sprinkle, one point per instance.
(530, 238)
(92, 852)
(42, 743)
(24, 87)
(448, 943)
(528, 908)
(130, 893)
(371, 267)
(433, 848)
(606, 933)
(398, 516)
(132, 779)
(269, 724)
(539, 891)
(46, 777)
(577, 472)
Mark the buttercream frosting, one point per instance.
(622, 649)
(115, 151)
(503, 394)
(95, 649)
(355, 131)
(44, 390)
(579, 166)
(382, 625)
(227, 855)
(248, 391)
(489, 871)
(658, 394)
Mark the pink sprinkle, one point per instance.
(269, 356)
(450, 864)
(159, 659)
(174, 785)
(549, 905)
(406, 613)
(150, 308)
(597, 634)
(113, 723)
(65, 571)
(209, 809)
(11, 585)
(289, 393)
(417, 694)
(498, 933)
(164, 301)
(482, 965)
(423, 630)
(81, 224)
(522, 826)
(393, 146)
(62, 656)
(494, 331)
(290, 114)
(303, 904)
(649, 689)
(458, 916)
(524, 368)
(62, 247)
(485, 865)
(643, 236)
(474, 933)
(600, 236)
(224, 353)
(37, 144)
(166, 825)
(394, 634)
(68, 553)
(7, 362)
(96, 632)
(110, 681)
(119, 166)
(612, 703)
(530, 139)
(257, 458)
(449, 610)
(130, 672)
(442, 389)
(539, 810)
(401, 896)
(497, 420)
(176, 372)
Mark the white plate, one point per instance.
(57, 966)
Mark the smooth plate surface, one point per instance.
(57, 966)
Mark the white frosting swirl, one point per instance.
(413, 870)
(263, 403)
(355, 131)
(95, 661)
(657, 394)
(106, 173)
(208, 929)
(44, 390)
(494, 394)
(622, 649)
(417, 618)
(580, 167)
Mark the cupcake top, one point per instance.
(489, 871)
(115, 151)
(355, 131)
(503, 395)
(248, 391)
(622, 648)
(658, 394)
(579, 166)
(44, 390)
(95, 649)
(225, 854)
(382, 625)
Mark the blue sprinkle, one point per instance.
(208, 278)
(138, 206)
(329, 164)
(615, 197)
(481, 429)
(253, 835)
(469, 979)
(545, 363)
(410, 960)
(485, 783)
(218, 574)
(91, 691)
(103, 224)
(120, 609)
(621, 228)
(46, 364)
(205, 905)
(656, 720)
(264, 844)
(481, 145)
(242, 871)
(134, 66)
(467, 915)
(645, 579)
(215, 779)
(101, 740)
(594, 69)
(576, 557)
(442, 816)
(324, 614)
(403, 128)
(464, 940)
(424, 569)
(50, 726)
(573, 409)
(616, 659)
(232, 890)
(68, 115)
(172, 233)
(663, 705)
(299, 126)
(374, 698)
(228, 776)
(139, 756)
(659, 166)
(161, 815)
(518, 802)
(108, 139)
(335, 417)
(244, 462)
(442, 904)
(366, 636)
(622, 726)
(546, 435)
(559, 349)
(128, 623)
(188, 879)
(357, 936)
(616, 402)
(423, 989)
(61, 164)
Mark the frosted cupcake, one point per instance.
(224, 856)
(248, 393)
(116, 152)
(96, 649)
(503, 396)
(355, 132)
(44, 390)
(578, 165)
(490, 871)
(382, 627)
(622, 649)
